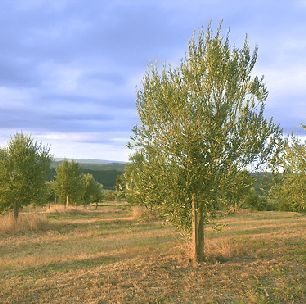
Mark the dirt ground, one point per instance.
(111, 256)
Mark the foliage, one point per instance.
(105, 177)
(94, 166)
(289, 193)
(50, 192)
(120, 187)
(23, 167)
(69, 185)
(255, 194)
(93, 190)
(257, 202)
(238, 189)
(111, 195)
(201, 124)
(263, 181)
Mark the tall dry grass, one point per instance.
(257, 258)
(25, 222)
(66, 209)
(143, 214)
(216, 250)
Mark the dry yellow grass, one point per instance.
(25, 222)
(143, 214)
(66, 209)
(110, 256)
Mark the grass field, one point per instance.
(110, 255)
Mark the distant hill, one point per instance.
(93, 164)
(86, 161)
(104, 171)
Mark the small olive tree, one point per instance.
(24, 165)
(201, 124)
(93, 190)
(289, 193)
(68, 185)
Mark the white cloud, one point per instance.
(81, 150)
(122, 139)
(291, 80)
(78, 145)
(83, 136)
(287, 79)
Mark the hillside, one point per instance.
(93, 164)
(105, 172)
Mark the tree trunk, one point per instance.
(195, 250)
(67, 202)
(197, 233)
(16, 210)
(201, 237)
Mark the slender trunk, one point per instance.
(16, 210)
(195, 250)
(67, 202)
(201, 237)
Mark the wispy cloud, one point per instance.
(68, 69)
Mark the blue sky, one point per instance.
(68, 69)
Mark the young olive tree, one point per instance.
(93, 190)
(289, 193)
(69, 184)
(24, 165)
(201, 124)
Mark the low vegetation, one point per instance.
(119, 254)
(28, 222)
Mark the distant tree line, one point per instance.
(107, 177)
(25, 179)
(74, 186)
(24, 167)
(94, 166)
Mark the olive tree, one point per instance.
(289, 193)
(93, 190)
(24, 165)
(201, 124)
(238, 189)
(68, 183)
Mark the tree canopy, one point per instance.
(68, 185)
(289, 193)
(24, 165)
(201, 124)
(92, 189)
